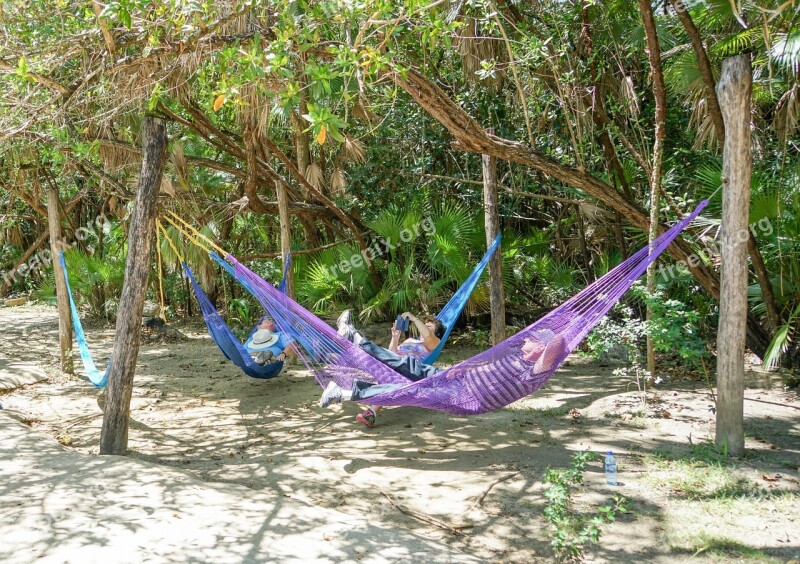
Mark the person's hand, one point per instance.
(396, 333)
(410, 316)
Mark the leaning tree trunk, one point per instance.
(734, 90)
(64, 324)
(497, 303)
(114, 435)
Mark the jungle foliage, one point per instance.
(324, 98)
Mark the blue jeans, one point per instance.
(410, 367)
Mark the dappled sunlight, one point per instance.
(475, 483)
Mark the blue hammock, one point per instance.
(97, 378)
(452, 309)
(227, 342)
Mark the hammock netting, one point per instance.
(448, 316)
(485, 382)
(97, 378)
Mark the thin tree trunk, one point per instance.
(301, 145)
(762, 275)
(286, 233)
(734, 90)
(660, 96)
(114, 435)
(704, 65)
(587, 263)
(497, 303)
(56, 243)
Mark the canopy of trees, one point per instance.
(372, 117)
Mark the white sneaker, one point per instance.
(334, 393)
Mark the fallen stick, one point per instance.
(492, 485)
(455, 529)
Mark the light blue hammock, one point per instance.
(97, 378)
(449, 314)
(452, 309)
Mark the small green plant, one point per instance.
(572, 531)
(243, 315)
(482, 338)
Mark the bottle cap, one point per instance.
(609, 452)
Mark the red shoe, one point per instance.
(367, 418)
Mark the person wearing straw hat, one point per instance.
(267, 344)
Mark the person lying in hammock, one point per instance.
(404, 358)
(266, 344)
(544, 351)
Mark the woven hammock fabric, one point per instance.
(487, 381)
(448, 316)
(227, 342)
(452, 309)
(97, 378)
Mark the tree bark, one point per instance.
(660, 96)
(497, 303)
(470, 136)
(56, 244)
(286, 234)
(114, 435)
(734, 90)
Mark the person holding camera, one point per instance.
(405, 358)
(431, 330)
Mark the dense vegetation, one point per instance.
(353, 107)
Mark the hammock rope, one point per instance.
(97, 378)
(487, 381)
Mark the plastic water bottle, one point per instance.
(610, 466)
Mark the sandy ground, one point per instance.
(473, 483)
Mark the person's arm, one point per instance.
(395, 341)
(288, 347)
(430, 340)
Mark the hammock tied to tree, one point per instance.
(97, 378)
(485, 382)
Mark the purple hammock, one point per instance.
(485, 382)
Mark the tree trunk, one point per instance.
(56, 244)
(497, 303)
(301, 144)
(286, 233)
(114, 435)
(660, 96)
(734, 91)
(585, 255)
